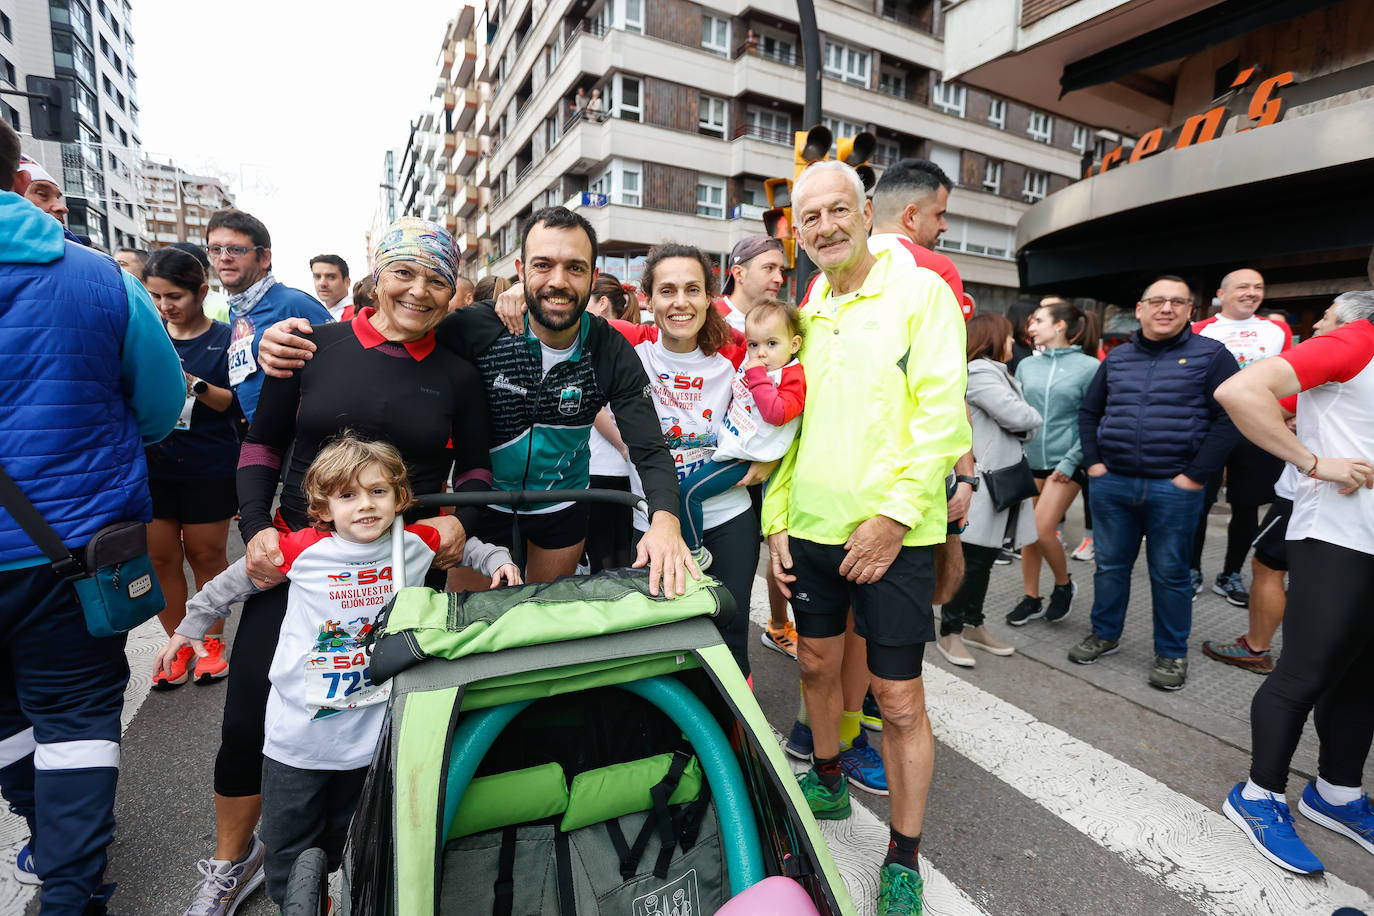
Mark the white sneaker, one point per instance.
(954, 651)
(225, 885)
(1084, 551)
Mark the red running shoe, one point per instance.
(213, 666)
(162, 680)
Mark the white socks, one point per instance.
(1337, 795)
(1252, 792)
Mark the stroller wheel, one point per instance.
(307, 887)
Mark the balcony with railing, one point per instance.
(766, 134)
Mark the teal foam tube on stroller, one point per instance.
(739, 830)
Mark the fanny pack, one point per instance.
(1010, 485)
(112, 574)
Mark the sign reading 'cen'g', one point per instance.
(1265, 108)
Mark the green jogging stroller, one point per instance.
(572, 748)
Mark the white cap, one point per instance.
(36, 171)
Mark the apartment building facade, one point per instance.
(178, 204)
(90, 43)
(698, 107)
(1255, 127)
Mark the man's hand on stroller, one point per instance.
(168, 653)
(509, 573)
(666, 554)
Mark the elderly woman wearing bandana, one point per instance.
(381, 377)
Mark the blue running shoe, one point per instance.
(1355, 820)
(24, 870)
(799, 743)
(863, 767)
(1269, 826)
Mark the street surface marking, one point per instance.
(141, 648)
(1190, 848)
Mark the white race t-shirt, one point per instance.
(337, 588)
(1335, 420)
(692, 392)
(1249, 340)
(606, 460)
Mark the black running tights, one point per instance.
(1327, 664)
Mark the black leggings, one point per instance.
(965, 609)
(238, 765)
(1327, 663)
(609, 528)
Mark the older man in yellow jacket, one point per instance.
(858, 502)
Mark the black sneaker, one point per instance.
(1029, 609)
(1061, 601)
(1232, 587)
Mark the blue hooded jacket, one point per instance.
(88, 376)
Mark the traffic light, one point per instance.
(856, 151)
(777, 219)
(810, 146)
(52, 113)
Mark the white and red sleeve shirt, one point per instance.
(733, 316)
(764, 415)
(1249, 340)
(1335, 420)
(324, 712)
(692, 392)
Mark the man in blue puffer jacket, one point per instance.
(88, 376)
(1152, 434)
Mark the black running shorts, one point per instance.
(894, 614)
(1271, 544)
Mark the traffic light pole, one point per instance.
(811, 111)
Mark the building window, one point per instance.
(6, 29)
(551, 132)
(711, 197)
(839, 127)
(622, 98)
(975, 236)
(621, 183)
(997, 113)
(1080, 139)
(775, 48)
(773, 126)
(10, 114)
(711, 116)
(111, 56)
(947, 158)
(892, 82)
(715, 35)
(948, 98)
(7, 72)
(843, 62)
(634, 15)
(1041, 127)
(886, 152)
(992, 177)
(1037, 185)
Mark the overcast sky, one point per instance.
(295, 101)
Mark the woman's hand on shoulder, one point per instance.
(263, 558)
(510, 308)
(452, 539)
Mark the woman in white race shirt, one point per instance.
(691, 358)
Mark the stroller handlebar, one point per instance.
(532, 497)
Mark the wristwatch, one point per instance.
(199, 387)
(964, 478)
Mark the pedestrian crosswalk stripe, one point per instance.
(1190, 848)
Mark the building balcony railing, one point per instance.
(788, 58)
(767, 134)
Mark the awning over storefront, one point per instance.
(1300, 191)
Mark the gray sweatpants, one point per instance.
(302, 809)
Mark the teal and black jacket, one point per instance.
(540, 424)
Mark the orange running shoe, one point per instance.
(782, 640)
(163, 680)
(213, 666)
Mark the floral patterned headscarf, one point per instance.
(413, 239)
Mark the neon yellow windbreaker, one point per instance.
(885, 418)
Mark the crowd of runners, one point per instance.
(885, 444)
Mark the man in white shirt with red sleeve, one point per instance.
(1250, 471)
(1328, 650)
